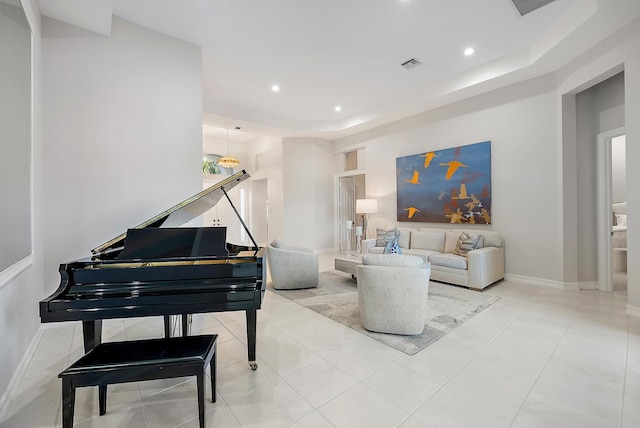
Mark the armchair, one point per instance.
(392, 293)
(292, 267)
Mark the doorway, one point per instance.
(350, 188)
(612, 230)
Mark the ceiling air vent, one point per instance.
(412, 63)
(526, 6)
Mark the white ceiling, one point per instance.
(324, 53)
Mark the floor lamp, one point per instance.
(366, 207)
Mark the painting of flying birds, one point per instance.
(445, 186)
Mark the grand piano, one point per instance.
(161, 269)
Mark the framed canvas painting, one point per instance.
(446, 186)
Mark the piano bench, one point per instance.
(139, 360)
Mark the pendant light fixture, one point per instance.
(228, 161)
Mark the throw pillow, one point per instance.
(405, 235)
(451, 241)
(392, 246)
(384, 236)
(433, 241)
(467, 243)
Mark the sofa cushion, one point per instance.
(490, 238)
(384, 236)
(433, 241)
(392, 260)
(451, 240)
(449, 260)
(405, 235)
(467, 243)
(425, 254)
(376, 250)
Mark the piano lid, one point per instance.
(184, 212)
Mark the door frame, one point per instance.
(605, 213)
(339, 230)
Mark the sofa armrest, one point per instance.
(367, 244)
(486, 266)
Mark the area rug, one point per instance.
(337, 298)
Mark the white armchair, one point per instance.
(292, 267)
(392, 293)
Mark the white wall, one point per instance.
(19, 297)
(123, 133)
(520, 122)
(269, 150)
(632, 129)
(618, 169)
(308, 192)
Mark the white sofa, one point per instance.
(479, 269)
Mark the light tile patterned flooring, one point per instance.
(539, 357)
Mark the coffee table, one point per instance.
(347, 264)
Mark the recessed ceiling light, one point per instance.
(338, 109)
(275, 88)
(468, 51)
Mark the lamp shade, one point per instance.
(366, 206)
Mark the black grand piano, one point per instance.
(159, 268)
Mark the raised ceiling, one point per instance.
(349, 53)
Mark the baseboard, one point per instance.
(22, 367)
(589, 285)
(541, 282)
(633, 311)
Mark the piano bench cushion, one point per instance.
(133, 361)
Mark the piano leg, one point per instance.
(185, 321)
(167, 326)
(92, 334)
(251, 337)
(185, 324)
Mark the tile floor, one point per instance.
(539, 357)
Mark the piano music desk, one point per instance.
(133, 361)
